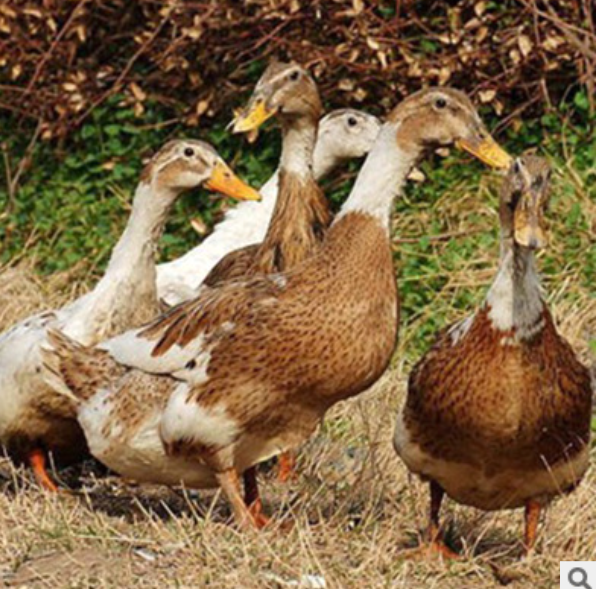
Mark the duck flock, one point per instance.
(195, 371)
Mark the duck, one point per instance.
(301, 213)
(248, 369)
(498, 411)
(33, 421)
(343, 134)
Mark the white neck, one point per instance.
(144, 228)
(515, 297)
(324, 160)
(128, 287)
(381, 178)
(297, 149)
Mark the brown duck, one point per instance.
(498, 411)
(248, 369)
(301, 214)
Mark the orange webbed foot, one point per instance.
(37, 461)
(286, 465)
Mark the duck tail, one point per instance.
(74, 370)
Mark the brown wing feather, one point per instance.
(208, 313)
(233, 266)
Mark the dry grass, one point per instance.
(355, 508)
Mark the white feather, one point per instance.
(185, 420)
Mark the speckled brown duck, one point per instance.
(33, 421)
(301, 214)
(248, 369)
(498, 411)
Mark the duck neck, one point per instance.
(126, 295)
(144, 228)
(301, 212)
(324, 160)
(382, 176)
(298, 143)
(514, 301)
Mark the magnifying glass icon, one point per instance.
(578, 578)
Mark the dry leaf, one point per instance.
(552, 42)
(32, 12)
(372, 44)
(444, 75)
(498, 107)
(138, 93)
(358, 6)
(199, 226)
(416, 175)
(202, 106)
(525, 45)
(480, 8)
(486, 96)
(346, 85)
(481, 34)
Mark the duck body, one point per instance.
(30, 414)
(282, 352)
(497, 424)
(498, 411)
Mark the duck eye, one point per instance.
(440, 103)
(295, 75)
(188, 152)
(352, 121)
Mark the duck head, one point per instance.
(524, 201)
(285, 90)
(347, 133)
(437, 117)
(186, 163)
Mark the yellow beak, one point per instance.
(225, 181)
(527, 223)
(487, 150)
(253, 117)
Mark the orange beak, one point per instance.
(487, 150)
(252, 117)
(224, 180)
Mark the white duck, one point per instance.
(32, 422)
(343, 134)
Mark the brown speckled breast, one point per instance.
(522, 406)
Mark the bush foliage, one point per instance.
(61, 59)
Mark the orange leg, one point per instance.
(37, 461)
(286, 464)
(246, 517)
(434, 545)
(435, 542)
(533, 511)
